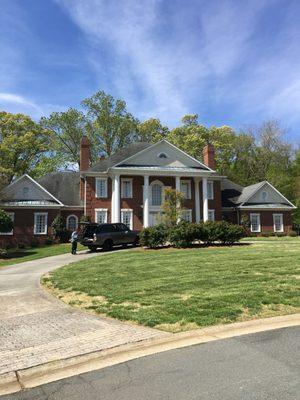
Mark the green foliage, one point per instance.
(154, 236)
(59, 230)
(67, 129)
(113, 127)
(293, 234)
(6, 223)
(85, 218)
(22, 143)
(152, 130)
(48, 242)
(172, 207)
(183, 234)
(3, 253)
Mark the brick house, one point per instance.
(129, 187)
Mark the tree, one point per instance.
(6, 223)
(22, 144)
(172, 206)
(152, 130)
(67, 129)
(113, 126)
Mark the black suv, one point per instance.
(108, 235)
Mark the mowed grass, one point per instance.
(33, 253)
(177, 290)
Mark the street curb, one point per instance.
(15, 381)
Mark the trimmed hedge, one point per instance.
(185, 234)
(154, 236)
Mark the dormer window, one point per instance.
(162, 155)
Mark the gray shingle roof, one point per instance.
(64, 186)
(119, 156)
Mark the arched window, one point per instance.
(156, 193)
(162, 155)
(72, 222)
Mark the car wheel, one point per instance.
(107, 245)
(92, 248)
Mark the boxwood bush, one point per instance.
(154, 236)
(185, 234)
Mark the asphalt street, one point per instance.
(262, 366)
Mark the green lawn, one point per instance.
(20, 255)
(177, 290)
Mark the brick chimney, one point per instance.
(209, 156)
(84, 162)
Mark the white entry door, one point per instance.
(154, 218)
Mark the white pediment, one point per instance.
(163, 154)
(267, 194)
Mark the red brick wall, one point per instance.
(23, 231)
(266, 220)
(136, 202)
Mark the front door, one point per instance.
(154, 218)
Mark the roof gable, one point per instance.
(162, 154)
(26, 189)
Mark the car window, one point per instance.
(124, 227)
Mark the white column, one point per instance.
(112, 219)
(117, 198)
(177, 184)
(197, 199)
(146, 201)
(205, 199)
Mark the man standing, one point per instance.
(74, 240)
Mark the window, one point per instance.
(25, 192)
(210, 190)
(40, 223)
(264, 196)
(255, 222)
(127, 218)
(12, 217)
(211, 215)
(278, 222)
(185, 188)
(156, 192)
(162, 155)
(101, 215)
(186, 215)
(101, 187)
(126, 188)
(72, 222)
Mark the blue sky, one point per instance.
(233, 62)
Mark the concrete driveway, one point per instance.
(36, 328)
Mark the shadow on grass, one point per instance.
(18, 254)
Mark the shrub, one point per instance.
(154, 236)
(6, 224)
(3, 253)
(85, 218)
(280, 234)
(219, 231)
(183, 234)
(209, 232)
(293, 234)
(48, 242)
(34, 243)
(231, 233)
(21, 245)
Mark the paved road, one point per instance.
(261, 366)
(36, 328)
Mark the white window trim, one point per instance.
(96, 184)
(189, 211)
(282, 225)
(12, 217)
(259, 223)
(122, 190)
(189, 195)
(212, 190)
(131, 212)
(67, 221)
(157, 182)
(101, 209)
(46, 224)
(213, 213)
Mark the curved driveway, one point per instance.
(36, 328)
